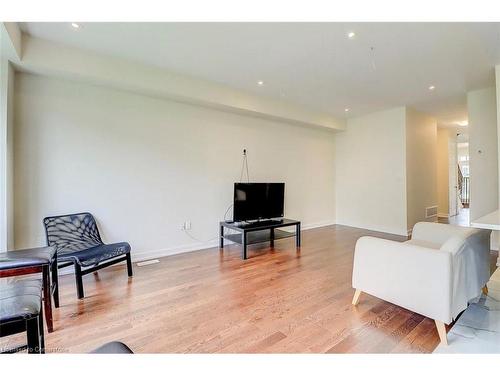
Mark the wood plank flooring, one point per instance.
(278, 301)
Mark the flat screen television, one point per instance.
(256, 200)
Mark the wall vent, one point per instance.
(431, 212)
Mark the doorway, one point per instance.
(462, 181)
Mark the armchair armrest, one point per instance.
(414, 277)
(438, 233)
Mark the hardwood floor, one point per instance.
(208, 301)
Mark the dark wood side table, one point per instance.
(259, 231)
(29, 261)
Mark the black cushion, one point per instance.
(19, 300)
(27, 257)
(114, 347)
(96, 254)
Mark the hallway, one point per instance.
(462, 219)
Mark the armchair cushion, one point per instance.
(438, 233)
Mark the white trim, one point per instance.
(140, 256)
(158, 253)
(403, 232)
(445, 216)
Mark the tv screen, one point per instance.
(254, 201)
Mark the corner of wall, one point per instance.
(420, 167)
(482, 108)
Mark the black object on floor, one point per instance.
(114, 347)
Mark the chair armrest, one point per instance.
(471, 266)
(414, 277)
(438, 233)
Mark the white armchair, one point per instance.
(434, 274)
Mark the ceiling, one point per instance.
(312, 64)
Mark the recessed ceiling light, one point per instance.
(260, 83)
(351, 34)
(432, 87)
(462, 123)
(75, 25)
(346, 109)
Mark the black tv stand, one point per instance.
(258, 231)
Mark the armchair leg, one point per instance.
(79, 281)
(441, 328)
(485, 290)
(129, 265)
(357, 295)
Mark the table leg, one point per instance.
(244, 245)
(297, 235)
(221, 238)
(55, 283)
(272, 237)
(47, 298)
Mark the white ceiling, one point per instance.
(312, 64)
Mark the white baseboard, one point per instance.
(158, 253)
(403, 232)
(140, 256)
(320, 224)
(444, 216)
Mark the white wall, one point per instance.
(421, 166)
(370, 172)
(497, 78)
(143, 165)
(10, 159)
(443, 140)
(58, 60)
(483, 152)
(10, 48)
(4, 79)
(496, 236)
(6, 157)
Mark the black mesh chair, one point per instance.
(77, 242)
